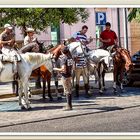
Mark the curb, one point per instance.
(36, 92)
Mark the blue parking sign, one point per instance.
(100, 18)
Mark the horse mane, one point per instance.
(34, 57)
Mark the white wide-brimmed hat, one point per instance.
(8, 26)
(30, 30)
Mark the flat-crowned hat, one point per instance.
(30, 30)
(8, 26)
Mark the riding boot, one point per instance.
(86, 90)
(69, 102)
(77, 90)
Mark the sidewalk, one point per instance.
(6, 88)
(11, 114)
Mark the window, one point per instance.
(55, 35)
(99, 29)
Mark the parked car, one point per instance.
(130, 78)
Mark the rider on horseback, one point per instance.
(7, 41)
(30, 38)
(109, 39)
(81, 36)
(81, 62)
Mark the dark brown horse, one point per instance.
(122, 63)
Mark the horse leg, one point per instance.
(49, 90)
(103, 79)
(73, 76)
(44, 88)
(21, 99)
(121, 79)
(96, 76)
(20, 93)
(25, 84)
(100, 78)
(115, 79)
(15, 87)
(38, 82)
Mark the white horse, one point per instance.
(95, 55)
(95, 59)
(28, 63)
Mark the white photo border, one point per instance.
(67, 4)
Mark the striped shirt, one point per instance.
(81, 60)
(80, 37)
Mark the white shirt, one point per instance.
(28, 40)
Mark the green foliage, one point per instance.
(40, 18)
(134, 14)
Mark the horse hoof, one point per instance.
(76, 96)
(51, 99)
(23, 108)
(119, 95)
(44, 97)
(105, 89)
(30, 108)
(101, 93)
(30, 95)
(87, 96)
(122, 91)
(59, 98)
(115, 92)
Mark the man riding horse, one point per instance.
(7, 41)
(30, 38)
(81, 64)
(109, 39)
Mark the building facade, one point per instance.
(126, 32)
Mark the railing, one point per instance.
(133, 43)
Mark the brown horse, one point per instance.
(122, 63)
(45, 74)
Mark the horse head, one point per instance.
(56, 51)
(29, 48)
(77, 49)
(41, 46)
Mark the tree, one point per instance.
(40, 18)
(134, 14)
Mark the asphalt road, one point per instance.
(107, 113)
(126, 120)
